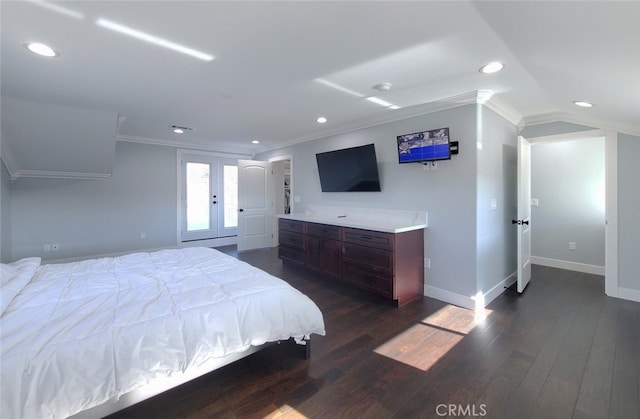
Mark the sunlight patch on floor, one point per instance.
(426, 342)
(286, 411)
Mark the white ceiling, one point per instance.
(263, 83)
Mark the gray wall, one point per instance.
(88, 217)
(552, 128)
(5, 215)
(496, 180)
(568, 179)
(628, 212)
(449, 194)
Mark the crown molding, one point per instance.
(396, 115)
(182, 145)
(503, 109)
(59, 175)
(9, 161)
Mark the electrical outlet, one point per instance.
(427, 263)
(434, 165)
(572, 245)
(535, 202)
(55, 247)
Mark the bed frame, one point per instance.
(165, 384)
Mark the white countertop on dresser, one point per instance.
(383, 225)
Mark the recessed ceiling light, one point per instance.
(41, 49)
(394, 107)
(180, 129)
(493, 67)
(321, 120)
(382, 87)
(583, 104)
(255, 142)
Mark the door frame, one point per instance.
(611, 287)
(220, 241)
(274, 191)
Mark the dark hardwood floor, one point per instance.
(561, 350)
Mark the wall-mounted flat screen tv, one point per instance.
(352, 169)
(424, 146)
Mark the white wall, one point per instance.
(5, 215)
(496, 181)
(93, 217)
(628, 213)
(568, 179)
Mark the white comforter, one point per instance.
(79, 334)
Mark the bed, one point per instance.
(93, 336)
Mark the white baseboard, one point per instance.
(220, 241)
(104, 255)
(469, 302)
(628, 294)
(449, 297)
(499, 288)
(570, 266)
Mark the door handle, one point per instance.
(240, 210)
(520, 222)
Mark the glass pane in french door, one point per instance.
(230, 176)
(197, 196)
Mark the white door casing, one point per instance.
(255, 205)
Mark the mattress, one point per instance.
(76, 335)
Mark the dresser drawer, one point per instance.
(367, 280)
(324, 231)
(291, 253)
(368, 258)
(288, 238)
(368, 238)
(291, 225)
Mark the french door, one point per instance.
(208, 197)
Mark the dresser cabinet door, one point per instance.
(323, 249)
(291, 244)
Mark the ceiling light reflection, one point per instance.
(58, 9)
(379, 101)
(338, 87)
(153, 39)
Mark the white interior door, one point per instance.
(524, 213)
(255, 205)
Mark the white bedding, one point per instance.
(79, 334)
